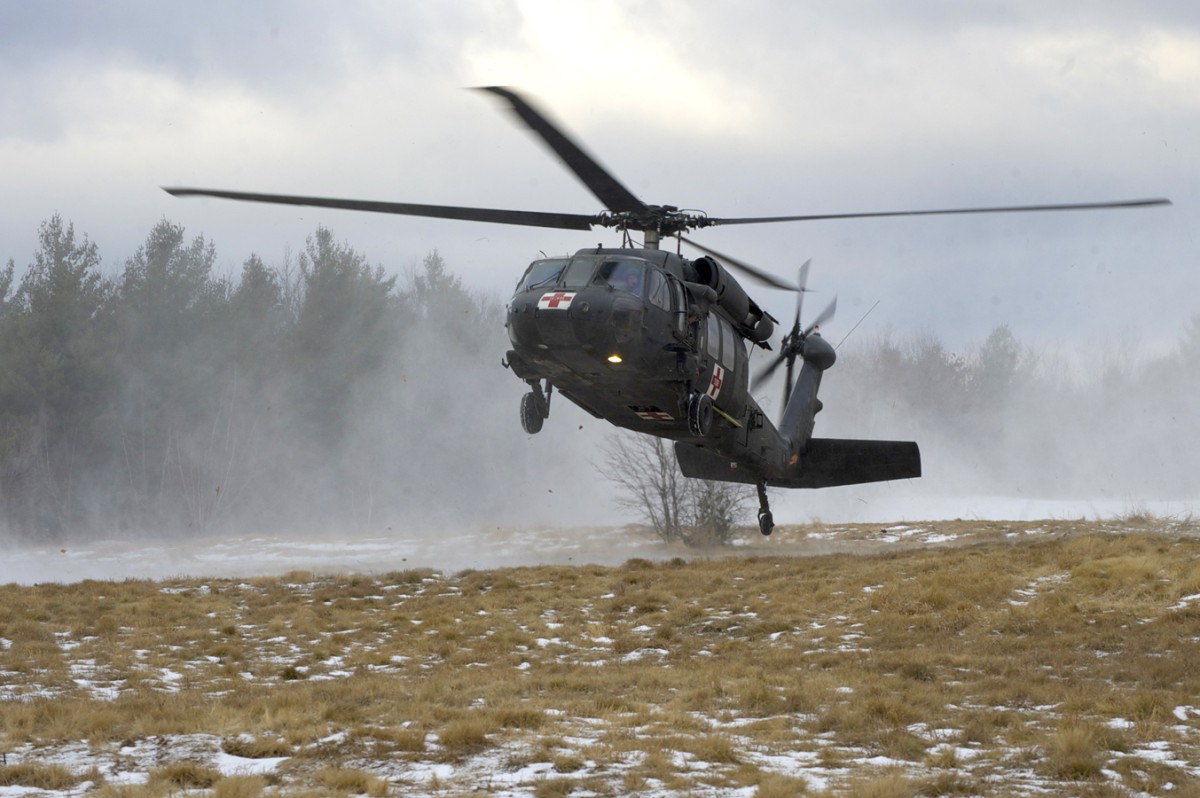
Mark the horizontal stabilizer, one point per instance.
(826, 463)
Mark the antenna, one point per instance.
(855, 327)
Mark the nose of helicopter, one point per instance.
(592, 320)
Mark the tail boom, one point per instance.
(825, 463)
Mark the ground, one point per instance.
(951, 658)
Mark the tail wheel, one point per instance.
(700, 414)
(531, 414)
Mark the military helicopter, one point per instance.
(658, 343)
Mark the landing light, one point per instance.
(614, 358)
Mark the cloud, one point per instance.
(769, 108)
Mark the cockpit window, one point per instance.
(579, 273)
(542, 273)
(623, 275)
(714, 336)
(728, 341)
(658, 294)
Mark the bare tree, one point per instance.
(715, 509)
(692, 511)
(650, 484)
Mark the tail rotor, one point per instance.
(792, 345)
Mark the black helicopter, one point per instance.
(657, 343)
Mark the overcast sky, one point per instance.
(736, 108)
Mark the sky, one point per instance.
(737, 109)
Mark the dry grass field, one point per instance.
(958, 659)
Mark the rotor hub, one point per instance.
(666, 220)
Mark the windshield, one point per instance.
(541, 273)
(579, 273)
(623, 274)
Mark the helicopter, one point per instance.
(660, 344)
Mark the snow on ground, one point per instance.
(132, 763)
(892, 502)
(341, 553)
(397, 549)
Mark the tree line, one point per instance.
(1004, 418)
(163, 396)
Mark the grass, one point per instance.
(38, 776)
(186, 775)
(1065, 660)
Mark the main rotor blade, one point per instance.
(1075, 206)
(565, 221)
(752, 271)
(601, 183)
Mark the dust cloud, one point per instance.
(313, 396)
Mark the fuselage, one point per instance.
(630, 336)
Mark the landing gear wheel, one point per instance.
(531, 414)
(535, 406)
(700, 414)
(766, 521)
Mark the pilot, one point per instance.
(626, 277)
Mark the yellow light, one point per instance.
(614, 358)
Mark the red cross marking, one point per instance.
(718, 379)
(553, 300)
